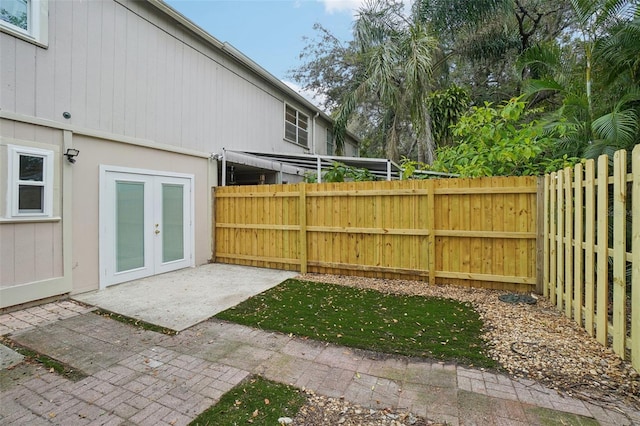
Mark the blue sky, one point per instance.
(269, 31)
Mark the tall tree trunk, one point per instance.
(392, 142)
(429, 143)
(421, 153)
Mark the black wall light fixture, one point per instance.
(71, 155)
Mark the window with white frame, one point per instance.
(330, 144)
(30, 191)
(26, 19)
(296, 126)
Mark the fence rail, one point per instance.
(473, 232)
(591, 266)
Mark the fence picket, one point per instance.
(578, 256)
(568, 238)
(619, 252)
(560, 289)
(553, 259)
(589, 246)
(635, 267)
(545, 236)
(602, 269)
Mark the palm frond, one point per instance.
(534, 86)
(618, 127)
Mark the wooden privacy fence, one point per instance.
(592, 249)
(474, 232)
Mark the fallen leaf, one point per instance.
(266, 401)
(255, 413)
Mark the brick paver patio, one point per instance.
(145, 378)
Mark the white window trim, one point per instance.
(37, 24)
(284, 126)
(330, 142)
(13, 168)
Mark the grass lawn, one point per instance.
(434, 328)
(258, 401)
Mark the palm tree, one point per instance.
(397, 54)
(601, 106)
(483, 38)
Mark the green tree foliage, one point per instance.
(595, 80)
(397, 55)
(380, 80)
(340, 172)
(483, 38)
(499, 142)
(329, 67)
(446, 108)
(577, 62)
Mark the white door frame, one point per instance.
(106, 241)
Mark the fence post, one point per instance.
(635, 252)
(542, 228)
(302, 210)
(432, 232)
(213, 224)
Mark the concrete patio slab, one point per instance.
(180, 299)
(9, 357)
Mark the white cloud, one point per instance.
(314, 98)
(352, 6)
(337, 6)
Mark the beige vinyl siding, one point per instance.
(29, 250)
(95, 152)
(136, 73)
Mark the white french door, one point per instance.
(146, 224)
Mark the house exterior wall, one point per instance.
(31, 250)
(96, 152)
(126, 68)
(143, 90)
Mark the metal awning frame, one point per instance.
(382, 168)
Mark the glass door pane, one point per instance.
(172, 222)
(129, 225)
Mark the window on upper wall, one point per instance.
(330, 145)
(26, 19)
(296, 126)
(30, 191)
